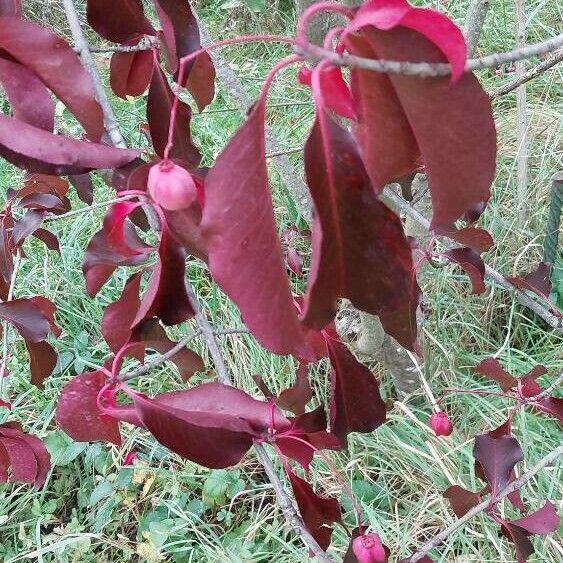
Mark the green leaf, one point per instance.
(62, 449)
(216, 484)
(103, 490)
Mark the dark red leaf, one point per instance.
(77, 411)
(10, 8)
(538, 280)
(435, 26)
(100, 260)
(461, 500)
(317, 512)
(48, 310)
(48, 202)
(48, 239)
(542, 522)
(37, 150)
(429, 113)
(43, 184)
(54, 61)
(26, 317)
(6, 258)
(472, 264)
(479, 240)
(166, 296)
(21, 458)
(518, 537)
(114, 227)
(336, 92)
(42, 361)
(295, 398)
(130, 73)
(552, 406)
(492, 368)
(159, 104)
(294, 261)
(29, 98)
(497, 457)
(180, 29)
(83, 185)
(119, 21)
(355, 401)
(119, 315)
(27, 225)
(354, 235)
(238, 222)
(201, 81)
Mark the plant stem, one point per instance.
(476, 15)
(515, 485)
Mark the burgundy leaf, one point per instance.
(435, 26)
(42, 201)
(544, 521)
(472, 264)
(336, 92)
(492, 368)
(317, 512)
(294, 261)
(114, 227)
(159, 105)
(21, 458)
(48, 239)
(428, 113)
(29, 98)
(518, 537)
(119, 315)
(10, 8)
(238, 222)
(27, 225)
(497, 457)
(37, 150)
(538, 280)
(42, 465)
(54, 61)
(180, 29)
(130, 73)
(26, 317)
(48, 310)
(185, 226)
(6, 258)
(119, 21)
(166, 296)
(42, 361)
(354, 234)
(151, 335)
(355, 401)
(100, 260)
(552, 406)
(479, 240)
(77, 411)
(461, 500)
(201, 81)
(83, 185)
(295, 398)
(43, 184)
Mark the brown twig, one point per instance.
(554, 59)
(513, 486)
(425, 70)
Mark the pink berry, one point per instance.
(498, 71)
(369, 549)
(171, 186)
(130, 458)
(441, 424)
(304, 76)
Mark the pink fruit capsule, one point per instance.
(441, 424)
(368, 549)
(171, 186)
(304, 76)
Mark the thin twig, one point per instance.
(209, 337)
(424, 70)
(153, 364)
(547, 391)
(476, 15)
(513, 486)
(554, 59)
(147, 43)
(522, 204)
(523, 298)
(287, 507)
(81, 44)
(88, 208)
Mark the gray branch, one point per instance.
(474, 24)
(425, 70)
(515, 485)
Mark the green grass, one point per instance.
(166, 509)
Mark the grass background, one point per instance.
(166, 509)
